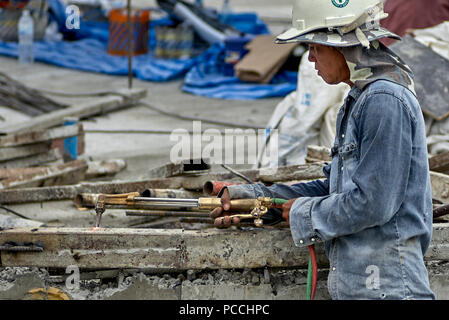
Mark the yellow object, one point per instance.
(51, 293)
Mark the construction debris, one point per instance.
(192, 166)
(37, 146)
(19, 97)
(105, 168)
(317, 154)
(61, 174)
(123, 98)
(439, 162)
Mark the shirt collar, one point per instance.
(355, 92)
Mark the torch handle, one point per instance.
(236, 205)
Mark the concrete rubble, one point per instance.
(246, 284)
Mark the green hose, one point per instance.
(277, 201)
(309, 280)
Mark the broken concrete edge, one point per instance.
(242, 284)
(173, 249)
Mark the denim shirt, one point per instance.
(374, 209)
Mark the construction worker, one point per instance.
(374, 209)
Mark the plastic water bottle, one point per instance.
(26, 34)
(225, 10)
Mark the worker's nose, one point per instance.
(311, 56)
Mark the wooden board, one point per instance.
(83, 110)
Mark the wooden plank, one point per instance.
(42, 135)
(439, 162)
(66, 173)
(24, 195)
(55, 193)
(173, 249)
(299, 172)
(10, 153)
(317, 153)
(84, 110)
(267, 175)
(39, 159)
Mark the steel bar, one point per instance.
(148, 213)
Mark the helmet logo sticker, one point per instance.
(340, 3)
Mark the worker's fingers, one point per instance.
(226, 200)
(216, 212)
(286, 210)
(286, 216)
(222, 222)
(226, 221)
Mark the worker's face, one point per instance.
(330, 64)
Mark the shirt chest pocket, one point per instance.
(348, 152)
(349, 157)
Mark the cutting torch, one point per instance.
(243, 208)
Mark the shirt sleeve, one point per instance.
(380, 178)
(314, 188)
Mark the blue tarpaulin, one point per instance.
(203, 74)
(207, 78)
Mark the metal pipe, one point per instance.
(167, 200)
(212, 188)
(146, 213)
(170, 193)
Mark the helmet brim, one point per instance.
(333, 39)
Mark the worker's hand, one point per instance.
(286, 210)
(221, 214)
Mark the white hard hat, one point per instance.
(341, 16)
